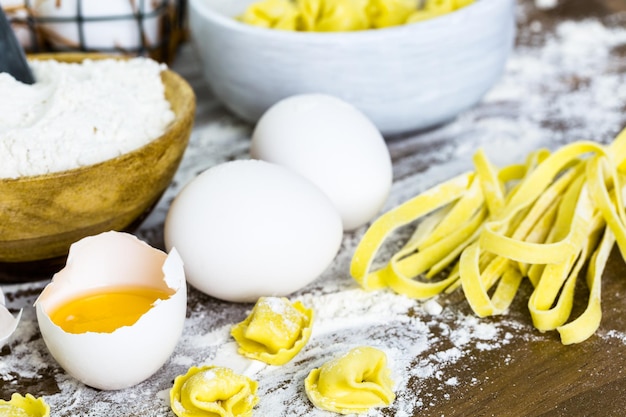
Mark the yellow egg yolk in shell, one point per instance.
(106, 310)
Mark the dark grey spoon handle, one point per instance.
(12, 58)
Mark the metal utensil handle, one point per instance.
(12, 57)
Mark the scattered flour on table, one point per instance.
(347, 319)
(79, 114)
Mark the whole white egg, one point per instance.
(107, 24)
(334, 145)
(248, 228)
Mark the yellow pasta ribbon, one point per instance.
(612, 209)
(412, 210)
(494, 240)
(485, 231)
(588, 322)
(551, 302)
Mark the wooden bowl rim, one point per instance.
(169, 77)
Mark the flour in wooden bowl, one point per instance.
(79, 114)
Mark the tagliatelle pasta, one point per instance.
(352, 383)
(344, 15)
(274, 331)
(213, 391)
(544, 220)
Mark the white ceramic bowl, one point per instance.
(403, 78)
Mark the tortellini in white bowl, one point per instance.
(403, 78)
(344, 15)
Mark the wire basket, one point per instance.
(151, 28)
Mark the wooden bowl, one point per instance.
(41, 216)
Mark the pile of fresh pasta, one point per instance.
(548, 220)
(344, 15)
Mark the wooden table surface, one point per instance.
(532, 374)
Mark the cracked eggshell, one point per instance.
(8, 322)
(130, 354)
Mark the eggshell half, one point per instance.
(332, 144)
(130, 354)
(247, 229)
(8, 323)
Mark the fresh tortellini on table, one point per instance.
(352, 383)
(344, 15)
(24, 406)
(274, 331)
(213, 391)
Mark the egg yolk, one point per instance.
(106, 310)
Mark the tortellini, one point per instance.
(344, 15)
(24, 406)
(275, 331)
(275, 14)
(352, 383)
(434, 8)
(213, 391)
(385, 13)
(333, 15)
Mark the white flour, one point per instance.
(546, 4)
(79, 114)
(561, 89)
(350, 319)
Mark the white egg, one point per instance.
(335, 146)
(247, 229)
(129, 354)
(108, 24)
